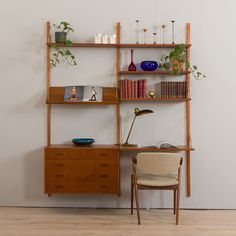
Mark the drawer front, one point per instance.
(81, 171)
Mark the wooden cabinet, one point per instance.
(82, 170)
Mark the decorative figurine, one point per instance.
(98, 38)
(151, 93)
(173, 31)
(94, 93)
(112, 38)
(73, 93)
(144, 35)
(163, 33)
(137, 31)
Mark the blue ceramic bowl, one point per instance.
(83, 141)
(149, 65)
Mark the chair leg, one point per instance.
(132, 195)
(177, 208)
(137, 202)
(174, 201)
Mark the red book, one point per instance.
(126, 89)
(140, 88)
(132, 88)
(135, 89)
(144, 91)
(129, 89)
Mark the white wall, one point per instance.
(23, 92)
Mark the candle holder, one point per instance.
(173, 31)
(154, 38)
(137, 31)
(163, 33)
(144, 35)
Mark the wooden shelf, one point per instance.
(122, 45)
(132, 45)
(154, 99)
(179, 149)
(56, 96)
(93, 146)
(120, 147)
(80, 103)
(85, 45)
(157, 72)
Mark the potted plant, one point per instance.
(62, 30)
(177, 59)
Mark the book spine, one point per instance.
(132, 88)
(126, 88)
(144, 88)
(135, 89)
(129, 89)
(140, 88)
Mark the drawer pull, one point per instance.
(104, 176)
(104, 165)
(103, 154)
(59, 175)
(59, 153)
(59, 165)
(59, 186)
(104, 186)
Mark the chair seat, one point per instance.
(156, 180)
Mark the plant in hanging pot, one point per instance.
(177, 60)
(63, 52)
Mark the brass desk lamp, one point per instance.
(137, 112)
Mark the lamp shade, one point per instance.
(138, 112)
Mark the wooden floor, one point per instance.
(72, 221)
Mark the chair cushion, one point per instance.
(156, 180)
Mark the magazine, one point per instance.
(161, 144)
(83, 94)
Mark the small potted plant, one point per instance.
(62, 30)
(177, 59)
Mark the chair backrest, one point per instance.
(158, 163)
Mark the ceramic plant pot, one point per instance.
(60, 37)
(177, 66)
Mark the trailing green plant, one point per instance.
(63, 52)
(179, 53)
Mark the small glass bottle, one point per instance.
(132, 66)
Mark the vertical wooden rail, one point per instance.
(188, 116)
(48, 85)
(118, 91)
(118, 80)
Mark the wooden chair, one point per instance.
(156, 171)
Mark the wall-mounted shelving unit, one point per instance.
(96, 169)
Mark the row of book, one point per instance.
(172, 89)
(133, 88)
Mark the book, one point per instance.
(83, 94)
(161, 144)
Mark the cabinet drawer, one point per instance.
(59, 153)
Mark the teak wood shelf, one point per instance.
(157, 72)
(101, 45)
(56, 96)
(96, 169)
(154, 99)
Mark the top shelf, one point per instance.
(122, 45)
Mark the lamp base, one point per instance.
(129, 145)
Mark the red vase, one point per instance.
(132, 66)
